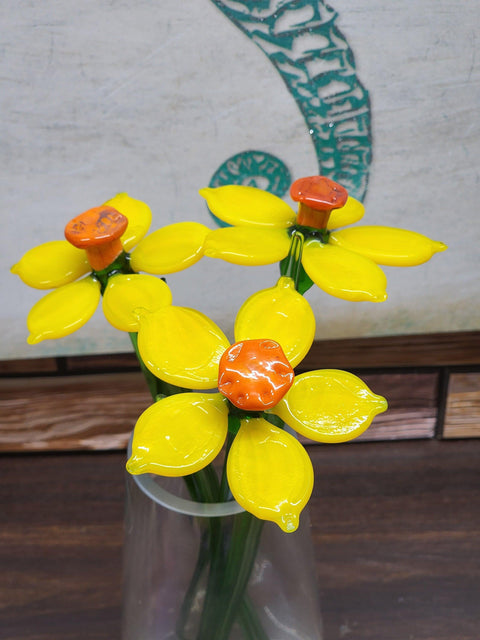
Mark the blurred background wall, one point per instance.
(149, 98)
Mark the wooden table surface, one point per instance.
(396, 528)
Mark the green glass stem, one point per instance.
(248, 618)
(292, 264)
(151, 380)
(224, 493)
(121, 264)
(239, 562)
(191, 593)
(232, 557)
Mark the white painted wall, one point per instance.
(150, 98)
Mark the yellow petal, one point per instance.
(352, 212)
(269, 473)
(179, 435)
(52, 265)
(281, 314)
(248, 206)
(329, 405)
(139, 218)
(170, 249)
(182, 346)
(388, 246)
(344, 274)
(125, 294)
(247, 245)
(63, 311)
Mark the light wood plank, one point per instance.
(462, 414)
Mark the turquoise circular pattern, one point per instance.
(253, 169)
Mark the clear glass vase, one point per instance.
(195, 571)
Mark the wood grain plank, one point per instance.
(462, 413)
(412, 406)
(28, 366)
(70, 412)
(395, 528)
(103, 362)
(60, 546)
(426, 350)
(99, 411)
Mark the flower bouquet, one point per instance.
(224, 416)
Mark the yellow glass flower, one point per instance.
(99, 240)
(269, 472)
(344, 263)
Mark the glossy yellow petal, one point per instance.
(52, 265)
(344, 274)
(352, 212)
(279, 313)
(182, 346)
(247, 245)
(248, 206)
(388, 246)
(179, 435)
(126, 294)
(269, 473)
(139, 218)
(170, 249)
(63, 311)
(329, 405)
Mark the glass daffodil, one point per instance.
(344, 263)
(97, 243)
(269, 472)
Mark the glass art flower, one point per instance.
(344, 263)
(97, 242)
(269, 471)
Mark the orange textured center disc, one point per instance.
(96, 226)
(319, 193)
(254, 374)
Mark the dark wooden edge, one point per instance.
(422, 350)
(425, 350)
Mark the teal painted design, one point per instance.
(318, 67)
(253, 169)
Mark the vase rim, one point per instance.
(146, 483)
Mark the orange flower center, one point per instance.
(254, 374)
(318, 196)
(98, 231)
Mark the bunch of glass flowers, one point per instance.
(210, 397)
